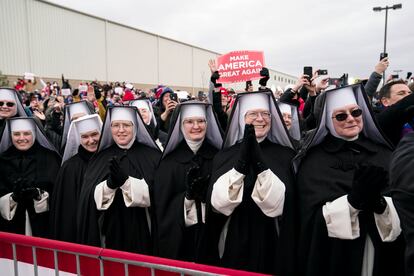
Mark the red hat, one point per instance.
(128, 96)
(223, 91)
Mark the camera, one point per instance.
(307, 70)
(322, 72)
(174, 97)
(383, 55)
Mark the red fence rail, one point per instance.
(20, 255)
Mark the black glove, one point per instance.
(17, 190)
(257, 158)
(367, 184)
(242, 164)
(214, 77)
(117, 174)
(30, 193)
(265, 76)
(191, 177)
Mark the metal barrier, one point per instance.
(38, 256)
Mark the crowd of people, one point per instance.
(316, 180)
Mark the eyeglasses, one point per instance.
(254, 115)
(8, 104)
(192, 122)
(117, 126)
(343, 116)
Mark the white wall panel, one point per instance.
(14, 51)
(132, 55)
(175, 63)
(201, 71)
(64, 41)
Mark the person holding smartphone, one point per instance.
(166, 105)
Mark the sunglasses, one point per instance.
(8, 104)
(343, 116)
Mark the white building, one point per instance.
(48, 40)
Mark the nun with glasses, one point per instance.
(115, 195)
(250, 218)
(28, 167)
(82, 143)
(348, 224)
(10, 106)
(181, 181)
(146, 111)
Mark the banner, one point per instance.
(240, 66)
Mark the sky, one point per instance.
(341, 36)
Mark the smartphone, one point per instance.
(395, 76)
(322, 72)
(383, 55)
(174, 97)
(409, 75)
(307, 70)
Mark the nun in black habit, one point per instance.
(250, 217)
(181, 182)
(10, 106)
(82, 143)
(74, 111)
(402, 188)
(144, 107)
(28, 167)
(115, 195)
(347, 224)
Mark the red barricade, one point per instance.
(23, 255)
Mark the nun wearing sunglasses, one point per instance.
(348, 223)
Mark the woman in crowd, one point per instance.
(28, 167)
(347, 224)
(251, 214)
(115, 195)
(82, 143)
(181, 181)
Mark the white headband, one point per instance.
(122, 114)
(194, 110)
(86, 124)
(140, 104)
(285, 108)
(78, 108)
(7, 95)
(253, 101)
(22, 125)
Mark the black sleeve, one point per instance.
(392, 119)
(372, 84)
(287, 97)
(221, 115)
(303, 93)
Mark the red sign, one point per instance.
(240, 66)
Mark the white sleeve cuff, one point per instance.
(103, 195)
(341, 219)
(190, 212)
(269, 193)
(41, 206)
(136, 193)
(388, 223)
(7, 207)
(227, 192)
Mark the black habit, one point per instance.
(65, 198)
(175, 240)
(123, 228)
(325, 174)
(254, 241)
(38, 167)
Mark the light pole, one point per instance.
(386, 8)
